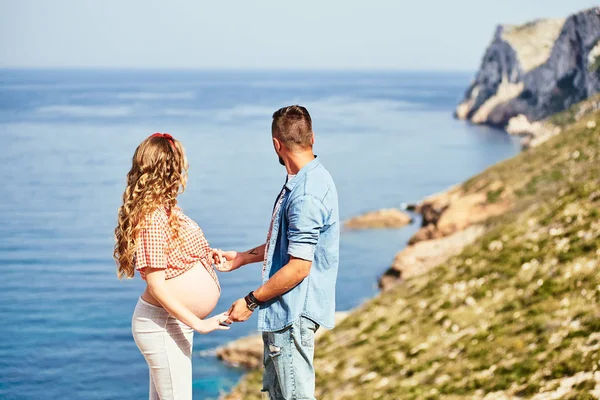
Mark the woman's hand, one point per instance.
(216, 323)
(231, 260)
(217, 257)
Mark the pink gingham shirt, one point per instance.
(155, 250)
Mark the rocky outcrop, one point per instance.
(386, 218)
(419, 258)
(532, 133)
(451, 220)
(454, 210)
(535, 69)
(454, 218)
(535, 133)
(247, 352)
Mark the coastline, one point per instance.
(452, 221)
(239, 223)
(455, 218)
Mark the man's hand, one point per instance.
(232, 260)
(239, 311)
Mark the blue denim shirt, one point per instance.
(307, 226)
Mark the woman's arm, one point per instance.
(155, 277)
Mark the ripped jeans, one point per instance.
(288, 359)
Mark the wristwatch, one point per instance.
(252, 302)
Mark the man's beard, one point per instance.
(281, 160)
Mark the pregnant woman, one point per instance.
(171, 254)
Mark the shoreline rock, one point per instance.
(532, 133)
(385, 218)
(455, 210)
(451, 220)
(421, 257)
(246, 352)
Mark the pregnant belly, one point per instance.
(196, 289)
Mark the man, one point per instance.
(300, 262)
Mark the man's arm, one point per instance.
(281, 282)
(284, 280)
(236, 260)
(256, 254)
(306, 218)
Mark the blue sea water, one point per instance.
(67, 137)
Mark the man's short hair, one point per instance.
(292, 125)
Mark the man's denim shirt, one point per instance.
(307, 227)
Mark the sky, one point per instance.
(260, 34)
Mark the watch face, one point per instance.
(251, 305)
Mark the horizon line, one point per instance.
(227, 69)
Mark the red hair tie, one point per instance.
(166, 136)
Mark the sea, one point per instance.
(66, 142)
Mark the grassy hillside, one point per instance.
(517, 314)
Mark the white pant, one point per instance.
(166, 344)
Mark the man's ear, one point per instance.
(277, 145)
(312, 139)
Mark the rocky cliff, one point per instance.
(535, 70)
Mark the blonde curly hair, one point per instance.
(158, 175)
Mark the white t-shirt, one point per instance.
(275, 212)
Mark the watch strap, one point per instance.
(252, 302)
